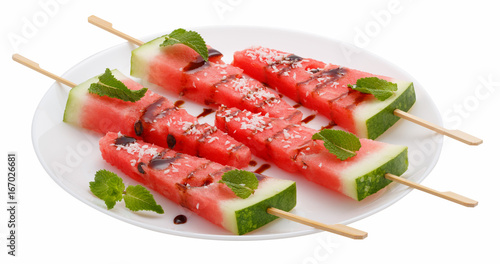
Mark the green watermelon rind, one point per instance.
(241, 216)
(141, 57)
(383, 120)
(77, 97)
(255, 216)
(76, 100)
(375, 180)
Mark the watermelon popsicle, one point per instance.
(193, 183)
(181, 70)
(154, 119)
(324, 88)
(290, 147)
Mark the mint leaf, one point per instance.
(242, 183)
(381, 89)
(340, 143)
(139, 198)
(189, 38)
(107, 186)
(108, 85)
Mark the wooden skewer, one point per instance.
(337, 228)
(109, 27)
(451, 196)
(455, 134)
(34, 66)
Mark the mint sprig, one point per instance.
(189, 38)
(340, 143)
(242, 183)
(380, 88)
(110, 86)
(108, 187)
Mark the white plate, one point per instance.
(71, 156)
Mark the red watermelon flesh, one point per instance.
(167, 70)
(213, 83)
(291, 148)
(323, 87)
(100, 113)
(193, 183)
(154, 119)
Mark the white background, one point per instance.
(449, 47)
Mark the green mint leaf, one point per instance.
(189, 38)
(139, 198)
(108, 85)
(381, 89)
(340, 143)
(107, 186)
(242, 183)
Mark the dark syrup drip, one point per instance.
(293, 58)
(252, 163)
(315, 70)
(308, 119)
(162, 164)
(179, 103)
(329, 126)
(333, 74)
(206, 112)
(124, 140)
(292, 116)
(262, 168)
(199, 61)
(297, 105)
(337, 72)
(300, 149)
(180, 219)
(149, 114)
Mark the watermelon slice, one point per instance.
(154, 119)
(193, 183)
(323, 87)
(290, 147)
(179, 69)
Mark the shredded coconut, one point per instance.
(265, 54)
(212, 139)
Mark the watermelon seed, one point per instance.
(138, 128)
(139, 167)
(171, 141)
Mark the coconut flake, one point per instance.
(265, 54)
(212, 139)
